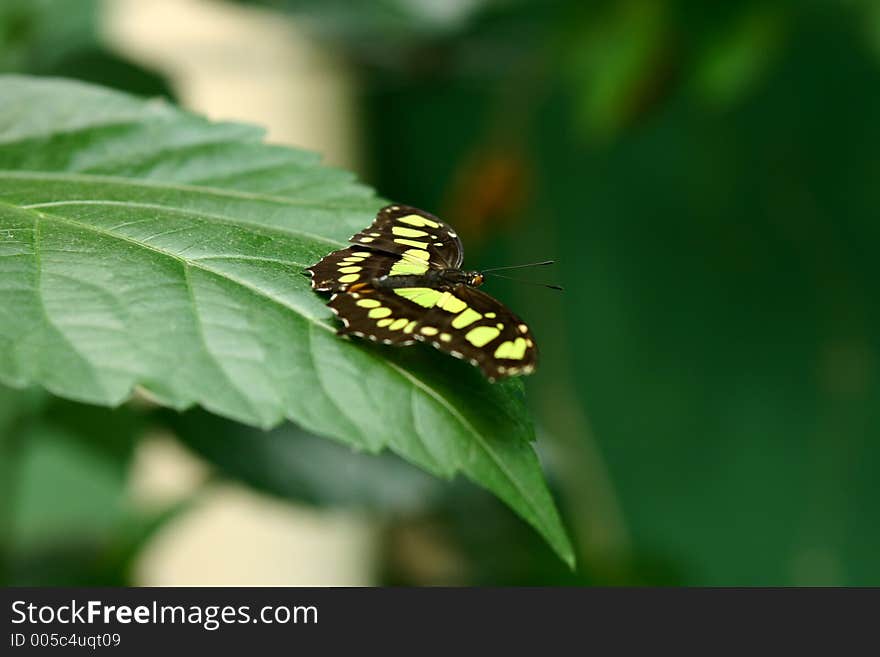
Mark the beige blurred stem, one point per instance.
(238, 63)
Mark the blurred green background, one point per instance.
(708, 403)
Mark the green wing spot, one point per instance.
(482, 335)
(466, 318)
(417, 220)
(512, 349)
(424, 296)
(405, 267)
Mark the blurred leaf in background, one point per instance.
(61, 38)
(36, 35)
(621, 60)
(66, 515)
(294, 464)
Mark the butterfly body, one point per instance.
(401, 282)
(434, 278)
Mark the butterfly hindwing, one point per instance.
(461, 321)
(342, 269)
(376, 314)
(415, 234)
(471, 325)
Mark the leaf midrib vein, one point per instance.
(191, 262)
(219, 218)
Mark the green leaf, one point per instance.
(33, 37)
(143, 247)
(739, 55)
(618, 62)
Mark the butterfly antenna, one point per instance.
(531, 264)
(519, 280)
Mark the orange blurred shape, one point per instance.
(489, 189)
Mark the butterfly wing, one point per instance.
(416, 235)
(341, 269)
(401, 241)
(376, 313)
(462, 321)
(476, 327)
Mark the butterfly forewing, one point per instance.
(415, 234)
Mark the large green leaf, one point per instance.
(143, 247)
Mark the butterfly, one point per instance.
(401, 283)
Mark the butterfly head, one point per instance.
(459, 277)
(475, 278)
